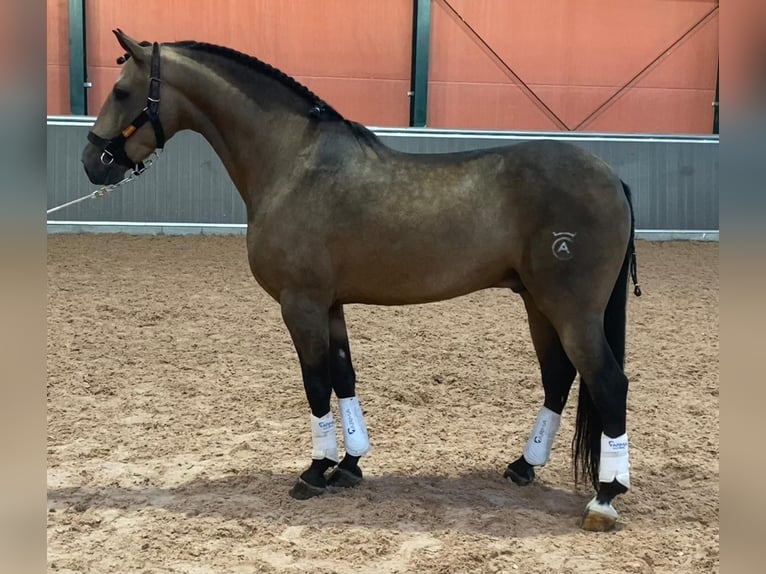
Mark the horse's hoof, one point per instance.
(303, 490)
(344, 478)
(518, 476)
(599, 517)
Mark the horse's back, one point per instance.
(545, 170)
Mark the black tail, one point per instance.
(586, 445)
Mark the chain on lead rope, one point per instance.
(107, 189)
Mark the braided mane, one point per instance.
(320, 107)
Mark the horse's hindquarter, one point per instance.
(576, 222)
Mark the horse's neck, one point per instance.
(248, 139)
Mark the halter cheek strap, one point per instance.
(113, 149)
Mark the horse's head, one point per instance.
(129, 127)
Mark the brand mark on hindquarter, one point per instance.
(563, 244)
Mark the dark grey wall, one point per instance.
(674, 179)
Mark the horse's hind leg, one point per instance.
(307, 322)
(343, 380)
(558, 374)
(601, 419)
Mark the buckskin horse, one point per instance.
(336, 217)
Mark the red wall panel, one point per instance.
(574, 55)
(57, 56)
(355, 55)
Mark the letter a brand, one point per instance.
(562, 245)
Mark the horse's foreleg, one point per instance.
(558, 374)
(307, 322)
(343, 380)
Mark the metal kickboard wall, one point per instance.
(674, 180)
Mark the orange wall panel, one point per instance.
(676, 95)
(58, 90)
(57, 56)
(649, 111)
(355, 55)
(575, 42)
(370, 101)
(574, 55)
(485, 106)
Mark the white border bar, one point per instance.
(139, 228)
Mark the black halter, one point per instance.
(114, 149)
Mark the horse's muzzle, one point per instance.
(98, 171)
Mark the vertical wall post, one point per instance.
(78, 74)
(421, 38)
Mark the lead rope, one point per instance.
(107, 189)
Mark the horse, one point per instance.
(336, 217)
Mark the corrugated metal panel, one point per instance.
(188, 183)
(674, 180)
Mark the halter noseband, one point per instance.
(113, 149)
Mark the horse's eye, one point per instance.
(120, 94)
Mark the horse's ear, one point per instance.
(131, 46)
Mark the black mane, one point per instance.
(319, 108)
